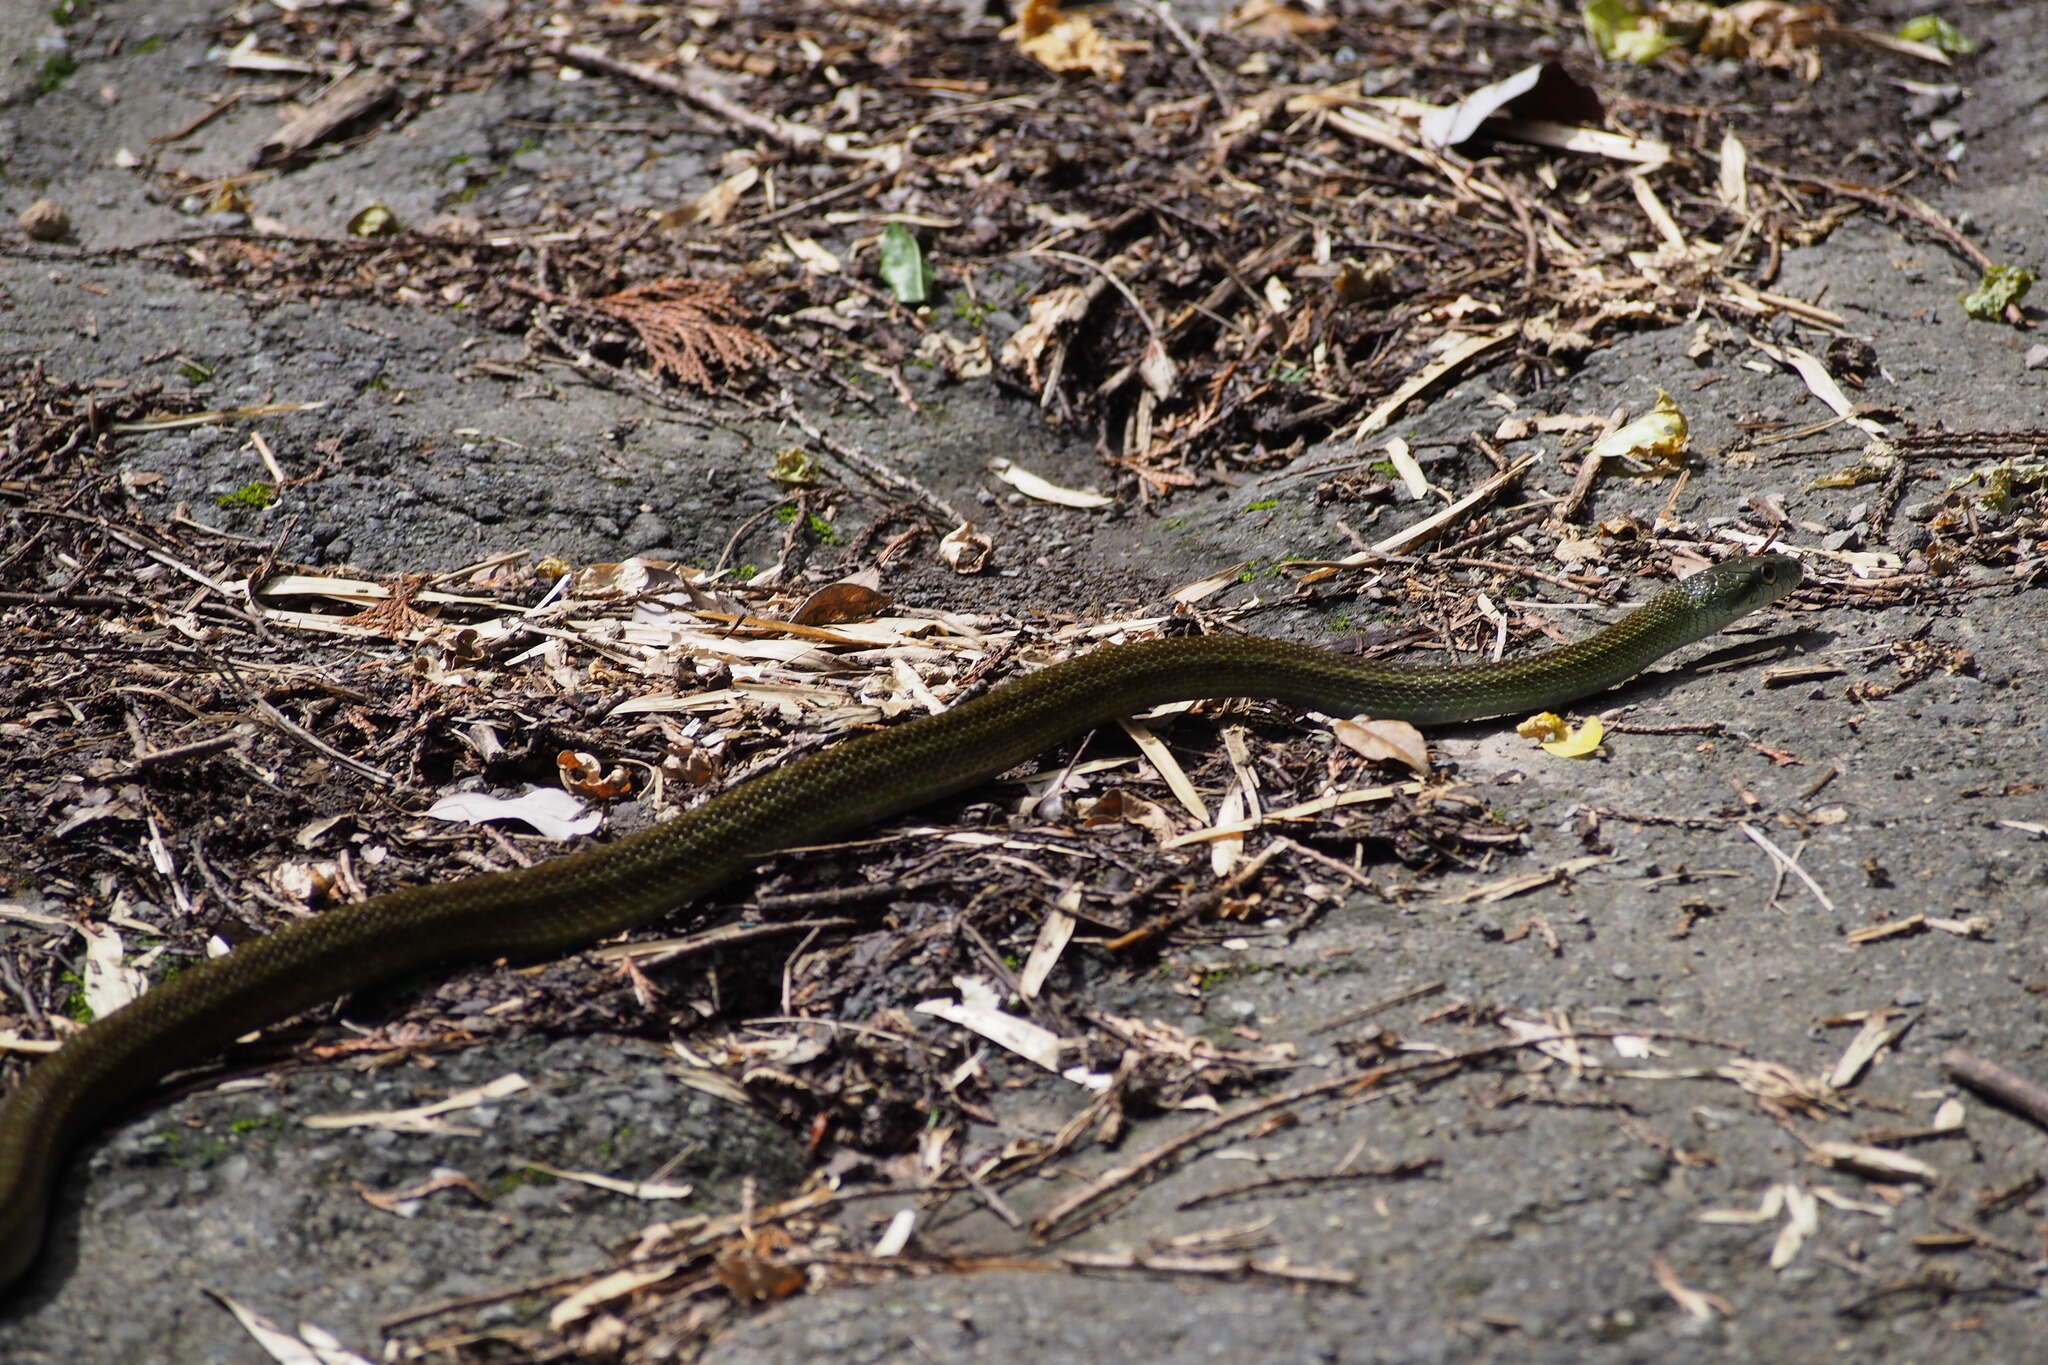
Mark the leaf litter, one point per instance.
(1184, 325)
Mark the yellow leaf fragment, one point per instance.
(1063, 42)
(1654, 440)
(1550, 730)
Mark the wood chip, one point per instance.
(339, 105)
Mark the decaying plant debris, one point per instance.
(1254, 254)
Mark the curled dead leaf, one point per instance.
(966, 550)
(583, 774)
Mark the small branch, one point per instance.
(796, 137)
(893, 479)
(145, 759)
(2016, 1093)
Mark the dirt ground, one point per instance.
(1570, 1203)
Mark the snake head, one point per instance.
(1734, 588)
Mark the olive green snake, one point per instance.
(565, 903)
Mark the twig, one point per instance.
(145, 759)
(1075, 258)
(1062, 1219)
(2017, 1093)
(287, 725)
(1918, 209)
(1582, 487)
(204, 117)
(1787, 863)
(1352, 1016)
(819, 200)
(797, 137)
(1400, 1170)
(1430, 525)
(873, 468)
(1195, 906)
(65, 599)
(1164, 17)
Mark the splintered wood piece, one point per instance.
(347, 100)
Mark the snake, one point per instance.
(565, 903)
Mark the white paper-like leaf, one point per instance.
(551, 811)
(311, 1346)
(1450, 126)
(109, 981)
(1045, 490)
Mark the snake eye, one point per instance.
(1769, 573)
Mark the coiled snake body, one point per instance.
(570, 901)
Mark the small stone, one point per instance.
(1621, 971)
(46, 221)
(1931, 101)
(1909, 998)
(2037, 356)
(645, 532)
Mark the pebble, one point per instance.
(1923, 509)
(645, 532)
(2037, 356)
(46, 221)
(1931, 101)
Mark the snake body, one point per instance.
(570, 901)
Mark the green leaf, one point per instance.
(1936, 31)
(2002, 284)
(1624, 33)
(903, 266)
(794, 465)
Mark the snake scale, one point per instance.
(570, 901)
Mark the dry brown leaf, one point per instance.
(846, 600)
(1267, 19)
(715, 205)
(1770, 33)
(754, 1271)
(1050, 311)
(1394, 740)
